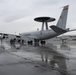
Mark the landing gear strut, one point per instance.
(43, 42)
(30, 42)
(36, 42)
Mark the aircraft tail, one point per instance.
(63, 18)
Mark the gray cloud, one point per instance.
(14, 9)
(20, 13)
(46, 2)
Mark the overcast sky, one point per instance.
(18, 15)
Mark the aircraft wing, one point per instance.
(72, 30)
(12, 36)
(5, 35)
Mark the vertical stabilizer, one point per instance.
(63, 18)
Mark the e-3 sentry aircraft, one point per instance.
(41, 35)
(60, 28)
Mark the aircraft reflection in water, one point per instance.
(48, 55)
(56, 60)
(64, 47)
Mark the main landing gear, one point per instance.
(37, 42)
(42, 42)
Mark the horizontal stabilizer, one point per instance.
(57, 29)
(72, 30)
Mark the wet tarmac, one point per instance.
(38, 60)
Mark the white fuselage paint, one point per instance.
(41, 35)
